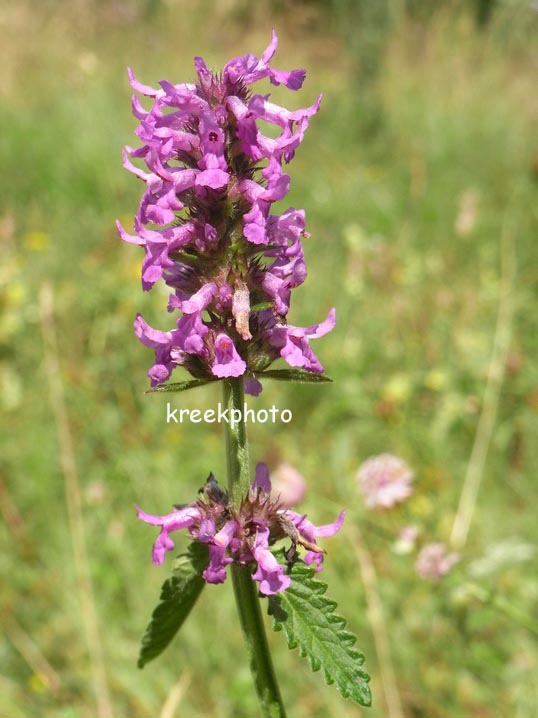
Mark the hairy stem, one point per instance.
(236, 441)
(246, 597)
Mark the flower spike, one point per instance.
(206, 224)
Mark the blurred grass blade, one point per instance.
(74, 503)
(179, 593)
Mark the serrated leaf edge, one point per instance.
(346, 638)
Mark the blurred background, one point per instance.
(419, 178)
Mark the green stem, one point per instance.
(246, 597)
(488, 598)
(515, 613)
(236, 441)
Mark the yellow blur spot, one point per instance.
(398, 275)
(174, 432)
(126, 221)
(135, 269)
(10, 382)
(421, 506)
(435, 380)
(397, 390)
(15, 294)
(354, 237)
(36, 241)
(87, 61)
(445, 524)
(37, 683)
(374, 174)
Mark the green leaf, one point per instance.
(178, 595)
(260, 306)
(179, 386)
(309, 622)
(296, 375)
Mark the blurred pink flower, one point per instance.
(406, 541)
(288, 485)
(408, 534)
(385, 480)
(434, 561)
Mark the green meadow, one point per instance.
(419, 177)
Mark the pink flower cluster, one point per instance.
(435, 561)
(244, 535)
(385, 481)
(206, 225)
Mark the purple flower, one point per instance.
(262, 481)
(248, 69)
(211, 177)
(215, 571)
(311, 533)
(293, 343)
(180, 519)
(201, 299)
(434, 561)
(227, 360)
(244, 534)
(189, 335)
(161, 342)
(269, 572)
(385, 480)
(252, 386)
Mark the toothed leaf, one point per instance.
(178, 595)
(307, 617)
